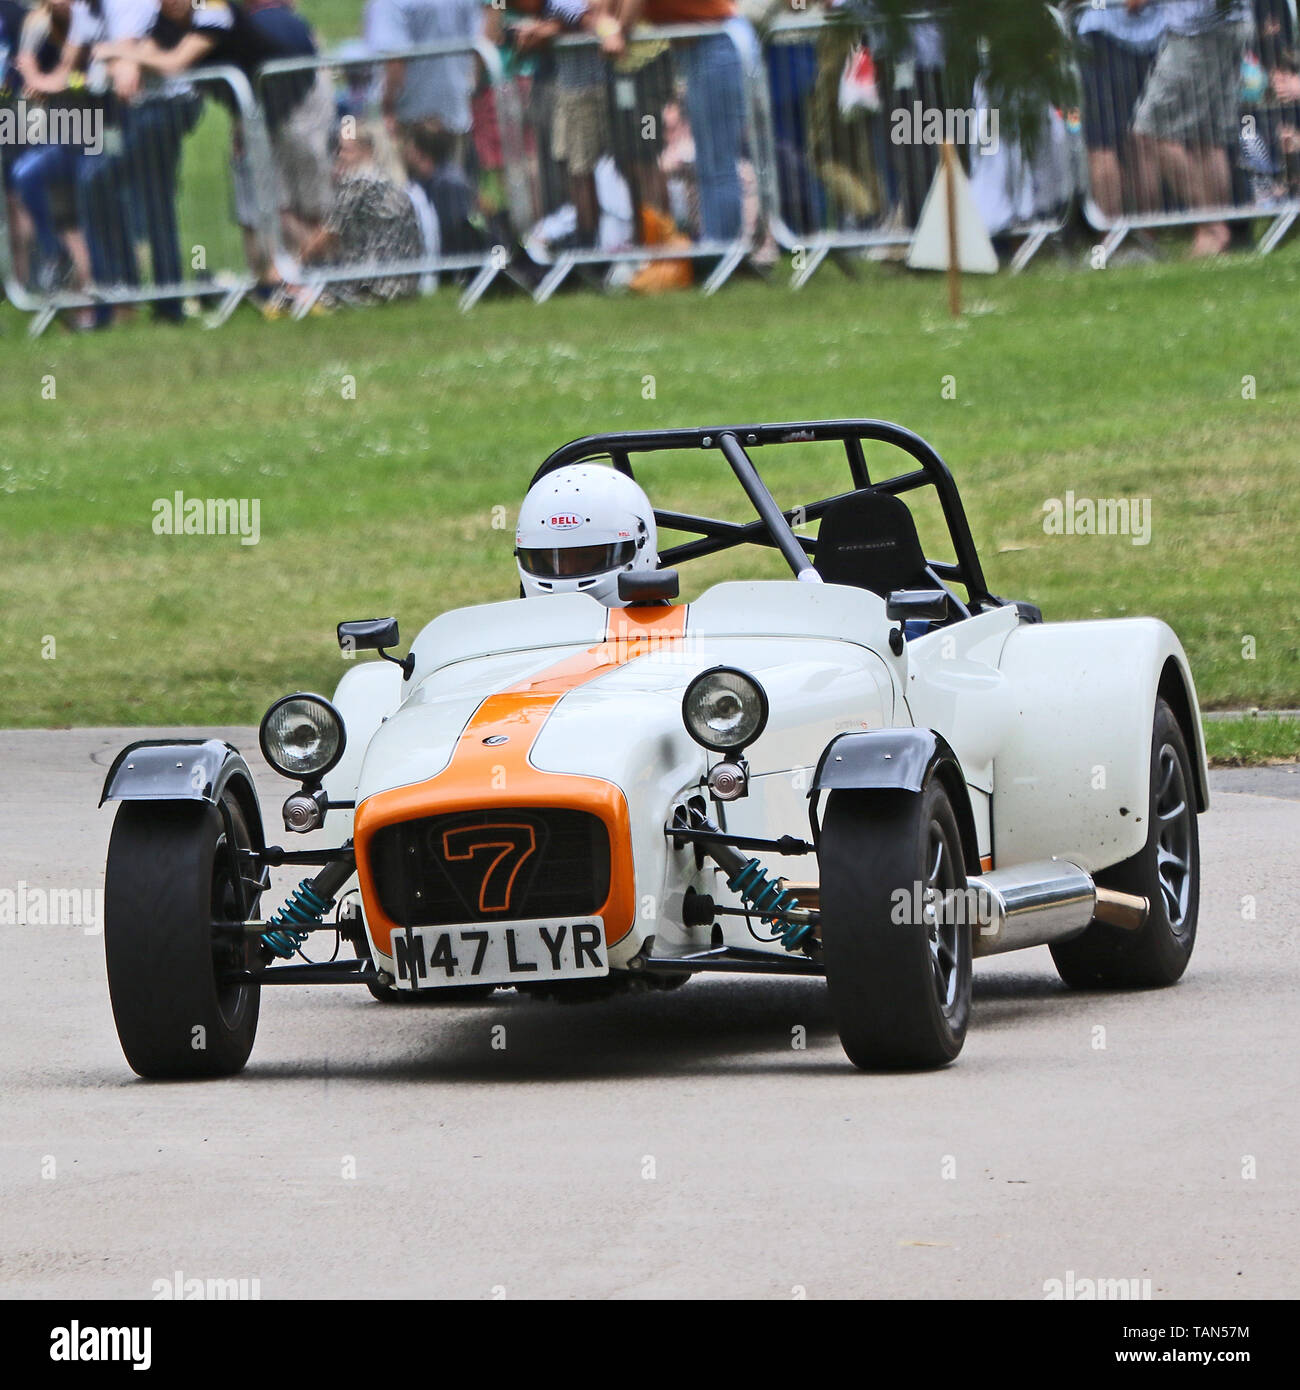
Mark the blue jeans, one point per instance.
(143, 172)
(715, 107)
(33, 174)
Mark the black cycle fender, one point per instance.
(184, 770)
(896, 760)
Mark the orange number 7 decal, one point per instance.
(512, 845)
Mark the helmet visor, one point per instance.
(576, 561)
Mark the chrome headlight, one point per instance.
(302, 736)
(724, 709)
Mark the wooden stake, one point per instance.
(954, 265)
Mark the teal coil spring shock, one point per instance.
(770, 902)
(288, 928)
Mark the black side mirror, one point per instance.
(374, 635)
(369, 634)
(638, 587)
(904, 604)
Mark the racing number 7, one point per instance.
(503, 849)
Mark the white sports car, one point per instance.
(872, 771)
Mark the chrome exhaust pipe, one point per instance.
(1028, 905)
(1036, 904)
(1125, 910)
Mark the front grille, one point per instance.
(484, 866)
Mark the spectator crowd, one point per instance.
(452, 127)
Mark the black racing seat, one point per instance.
(868, 540)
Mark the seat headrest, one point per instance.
(868, 540)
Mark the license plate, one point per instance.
(501, 953)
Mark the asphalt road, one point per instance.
(676, 1146)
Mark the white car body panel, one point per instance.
(1031, 710)
(365, 697)
(513, 625)
(954, 685)
(1072, 781)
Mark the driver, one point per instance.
(580, 527)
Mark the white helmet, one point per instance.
(580, 528)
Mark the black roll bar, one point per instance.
(765, 505)
(773, 527)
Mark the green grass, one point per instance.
(1252, 740)
(1123, 383)
(333, 20)
(210, 238)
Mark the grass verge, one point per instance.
(1252, 741)
(388, 451)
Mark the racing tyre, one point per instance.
(170, 878)
(1166, 871)
(899, 991)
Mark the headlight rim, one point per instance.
(313, 777)
(732, 749)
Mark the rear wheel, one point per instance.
(896, 946)
(1166, 871)
(172, 877)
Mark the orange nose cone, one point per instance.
(490, 768)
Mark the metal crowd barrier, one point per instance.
(1031, 192)
(1188, 130)
(689, 150)
(139, 203)
(646, 159)
(848, 161)
(406, 203)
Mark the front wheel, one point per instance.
(172, 909)
(895, 940)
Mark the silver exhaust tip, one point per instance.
(1039, 903)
